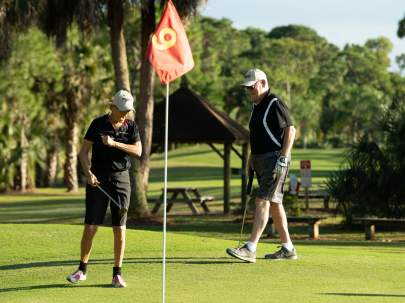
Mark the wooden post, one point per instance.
(306, 199)
(370, 231)
(227, 176)
(326, 201)
(314, 230)
(244, 170)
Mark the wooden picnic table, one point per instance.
(315, 194)
(188, 195)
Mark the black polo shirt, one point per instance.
(267, 123)
(106, 159)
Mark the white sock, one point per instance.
(251, 246)
(289, 246)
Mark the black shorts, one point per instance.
(270, 187)
(118, 186)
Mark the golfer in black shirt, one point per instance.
(111, 139)
(271, 138)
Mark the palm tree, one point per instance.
(144, 115)
(55, 17)
(401, 28)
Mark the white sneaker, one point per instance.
(118, 282)
(77, 276)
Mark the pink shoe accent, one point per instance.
(77, 276)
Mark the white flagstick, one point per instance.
(165, 193)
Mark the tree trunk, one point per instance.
(23, 167)
(51, 167)
(139, 203)
(118, 47)
(71, 145)
(144, 115)
(39, 175)
(54, 109)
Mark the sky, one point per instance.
(339, 21)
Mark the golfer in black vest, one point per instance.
(111, 139)
(271, 139)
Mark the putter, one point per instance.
(249, 192)
(123, 210)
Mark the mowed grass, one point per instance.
(201, 167)
(41, 231)
(194, 166)
(35, 258)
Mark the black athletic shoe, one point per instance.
(283, 253)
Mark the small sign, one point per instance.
(305, 172)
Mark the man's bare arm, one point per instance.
(289, 136)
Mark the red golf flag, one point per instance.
(169, 51)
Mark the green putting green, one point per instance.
(35, 258)
(41, 231)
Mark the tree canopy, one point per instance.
(336, 96)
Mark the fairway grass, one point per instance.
(35, 258)
(201, 167)
(41, 231)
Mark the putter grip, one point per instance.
(250, 181)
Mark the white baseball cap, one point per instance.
(123, 100)
(252, 76)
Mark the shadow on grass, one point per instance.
(351, 243)
(38, 264)
(55, 219)
(216, 191)
(38, 204)
(179, 154)
(201, 173)
(41, 192)
(182, 260)
(227, 229)
(152, 260)
(49, 286)
(361, 295)
(42, 211)
(197, 229)
(195, 173)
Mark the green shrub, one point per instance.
(292, 205)
(372, 183)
